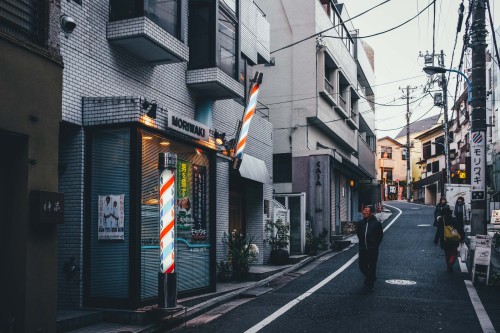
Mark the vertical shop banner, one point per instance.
(184, 199)
(199, 230)
(111, 217)
(478, 174)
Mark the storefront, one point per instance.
(121, 241)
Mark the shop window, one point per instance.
(192, 204)
(282, 168)
(109, 248)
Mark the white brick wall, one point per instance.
(103, 84)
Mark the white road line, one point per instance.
(484, 320)
(266, 321)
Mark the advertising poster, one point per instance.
(184, 209)
(111, 218)
(199, 230)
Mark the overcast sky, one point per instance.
(397, 52)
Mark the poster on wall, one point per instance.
(111, 217)
(199, 230)
(184, 209)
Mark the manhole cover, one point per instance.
(424, 225)
(401, 282)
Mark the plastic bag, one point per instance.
(463, 252)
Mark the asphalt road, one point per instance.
(436, 301)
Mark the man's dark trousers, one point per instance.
(368, 265)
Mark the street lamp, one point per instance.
(431, 70)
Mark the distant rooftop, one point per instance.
(419, 126)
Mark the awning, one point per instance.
(254, 169)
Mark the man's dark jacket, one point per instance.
(370, 233)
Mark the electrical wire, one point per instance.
(419, 118)
(334, 26)
(386, 31)
(493, 33)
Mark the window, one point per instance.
(439, 145)
(24, 19)
(428, 167)
(435, 166)
(386, 152)
(282, 168)
(388, 173)
(426, 147)
(227, 44)
(231, 4)
(201, 40)
(404, 154)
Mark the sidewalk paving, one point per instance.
(197, 305)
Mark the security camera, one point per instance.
(68, 23)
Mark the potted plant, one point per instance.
(224, 271)
(241, 253)
(278, 237)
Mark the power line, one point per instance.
(386, 31)
(319, 33)
(413, 122)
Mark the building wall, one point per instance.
(30, 88)
(96, 68)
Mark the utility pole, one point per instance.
(408, 144)
(444, 86)
(478, 119)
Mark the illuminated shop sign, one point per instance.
(187, 126)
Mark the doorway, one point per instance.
(236, 209)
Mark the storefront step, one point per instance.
(68, 320)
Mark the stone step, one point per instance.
(69, 320)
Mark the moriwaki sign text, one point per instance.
(187, 126)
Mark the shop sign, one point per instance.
(184, 207)
(48, 207)
(478, 174)
(187, 126)
(199, 231)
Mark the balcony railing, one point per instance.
(328, 87)
(164, 13)
(342, 102)
(25, 20)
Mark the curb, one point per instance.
(171, 321)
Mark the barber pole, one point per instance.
(167, 280)
(247, 118)
(167, 221)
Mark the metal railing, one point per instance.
(328, 87)
(25, 20)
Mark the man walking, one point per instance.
(370, 233)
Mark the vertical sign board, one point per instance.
(482, 255)
(199, 230)
(478, 173)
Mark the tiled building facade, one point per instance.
(115, 61)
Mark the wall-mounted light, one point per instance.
(151, 107)
(220, 138)
(352, 183)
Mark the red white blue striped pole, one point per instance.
(167, 280)
(247, 118)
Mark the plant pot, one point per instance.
(279, 257)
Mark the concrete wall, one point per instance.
(30, 89)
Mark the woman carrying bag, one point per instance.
(439, 209)
(449, 233)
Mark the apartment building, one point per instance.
(143, 78)
(30, 87)
(320, 98)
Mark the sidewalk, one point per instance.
(194, 306)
